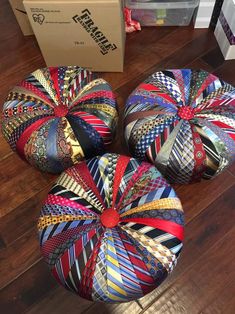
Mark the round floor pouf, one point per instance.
(183, 121)
(58, 116)
(111, 228)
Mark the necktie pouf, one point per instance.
(111, 228)
(58, 116)
(183, 121)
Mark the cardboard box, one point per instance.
(225, 30)
(87, 33)
(21, 16)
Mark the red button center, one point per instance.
(186, 113)
(109, 218)
(61, 111)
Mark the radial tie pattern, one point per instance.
(111, 228)
(59, 116)
(183, 121)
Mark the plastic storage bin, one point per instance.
(162, 12)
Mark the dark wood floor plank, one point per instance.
(199, 64)
(190, 51)
(19, 182)
(123, 308)
(231, 169)
(207, 228)
(226, 71)
(19, 256)
(5, 148)
(197, 286)
(73, 304)
(197, 47)
(19, 221)
(197, 196)
(223, 302)
(214, 57)
(22, 293)
(201, 233)
(53, 304)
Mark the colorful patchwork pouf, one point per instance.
(111, 228)
(58, 116)
(183, 121)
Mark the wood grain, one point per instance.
(27, 289)
(70, 300)
(19, 182)
(19, 256)
(203, 281)
(198, 286)
(203, 229)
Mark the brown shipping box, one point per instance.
(21, 16)
(87, 33)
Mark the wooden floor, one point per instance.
(204, 280)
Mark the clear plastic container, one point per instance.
(162, 12)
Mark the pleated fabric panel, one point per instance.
(111, 229)
(183, 121)
(58, 116)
